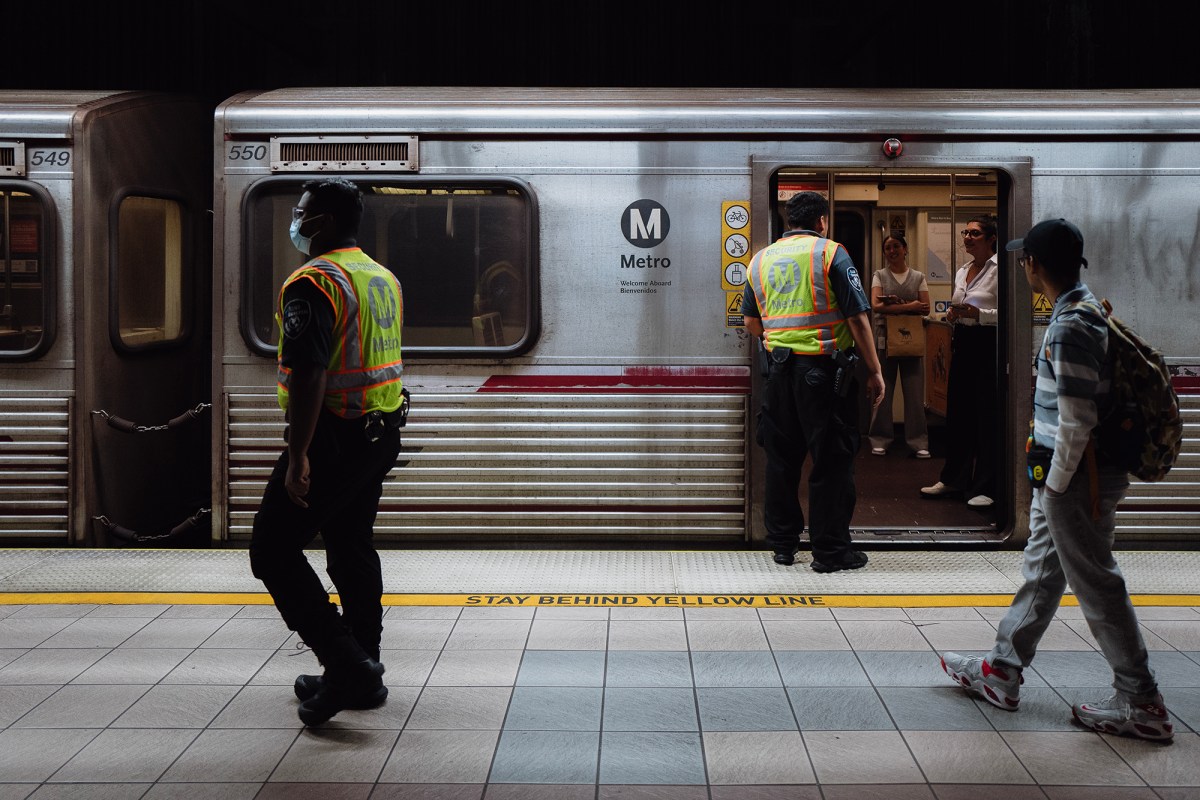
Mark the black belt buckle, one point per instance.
(781, 355)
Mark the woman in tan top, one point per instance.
(897, 289)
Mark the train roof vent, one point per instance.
(344, 154)
(12, 158)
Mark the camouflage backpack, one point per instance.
(1142, 432)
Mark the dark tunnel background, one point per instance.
(215, 48)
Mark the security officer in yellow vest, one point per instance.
(339, 365)
(804, 293)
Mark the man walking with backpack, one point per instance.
(1073, 510)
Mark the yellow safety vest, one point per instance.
(363, 373)
(790, 280)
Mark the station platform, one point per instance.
(672, 675)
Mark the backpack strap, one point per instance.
(1101, 311)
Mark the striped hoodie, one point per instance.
(1072, 383)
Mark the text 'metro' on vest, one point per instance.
(790, 280)
(364, 369)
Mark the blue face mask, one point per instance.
(301, 243)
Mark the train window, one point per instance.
(463, 251)
(149, 281)
(26, 272)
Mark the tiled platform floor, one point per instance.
(154, 701)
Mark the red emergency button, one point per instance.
(892, 148)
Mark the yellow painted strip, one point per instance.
(615, 600)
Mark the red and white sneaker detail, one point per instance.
(999, 686)
(1120, 717)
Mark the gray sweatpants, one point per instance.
(1067, 545)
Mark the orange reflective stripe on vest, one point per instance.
(365, 366)
(790, 280)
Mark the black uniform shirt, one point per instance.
(307, 325)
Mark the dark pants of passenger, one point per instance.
(802, 416)
(971, 424)
(346, 474)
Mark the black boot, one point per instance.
(308, 685)
(351, 681)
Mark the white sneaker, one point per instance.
(922, 454)
(1000, 687)
(979, 501)
(878, 451)
(1118, 716)
(937, 490)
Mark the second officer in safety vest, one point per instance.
(339, 366)
(804, 299)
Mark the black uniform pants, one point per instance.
(802, 416)
(346, 482)
(971, 412)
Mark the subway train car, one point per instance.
(104, 317)
(572, 263)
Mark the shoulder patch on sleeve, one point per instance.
(296, 316)
(852, 276)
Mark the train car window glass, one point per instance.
(149, 271)
(463, 251)
(26, 273)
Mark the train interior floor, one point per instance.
(890, 507)
(576, 674)
(890, 503)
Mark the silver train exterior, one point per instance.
(570, 261)
(104, 315)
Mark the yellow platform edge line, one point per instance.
(594, 600)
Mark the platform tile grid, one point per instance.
(161, 701)
(185, 701)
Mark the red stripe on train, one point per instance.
(1186, 384)
(651, 380)
(631, 382)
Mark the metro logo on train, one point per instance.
(645, 223)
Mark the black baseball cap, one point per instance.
(1054, 242)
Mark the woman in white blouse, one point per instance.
(970, 468)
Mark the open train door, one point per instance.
(929, 200)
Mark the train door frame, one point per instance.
(1014, 212)
(151, 147)
(75, 152)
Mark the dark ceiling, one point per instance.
(215, 48)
